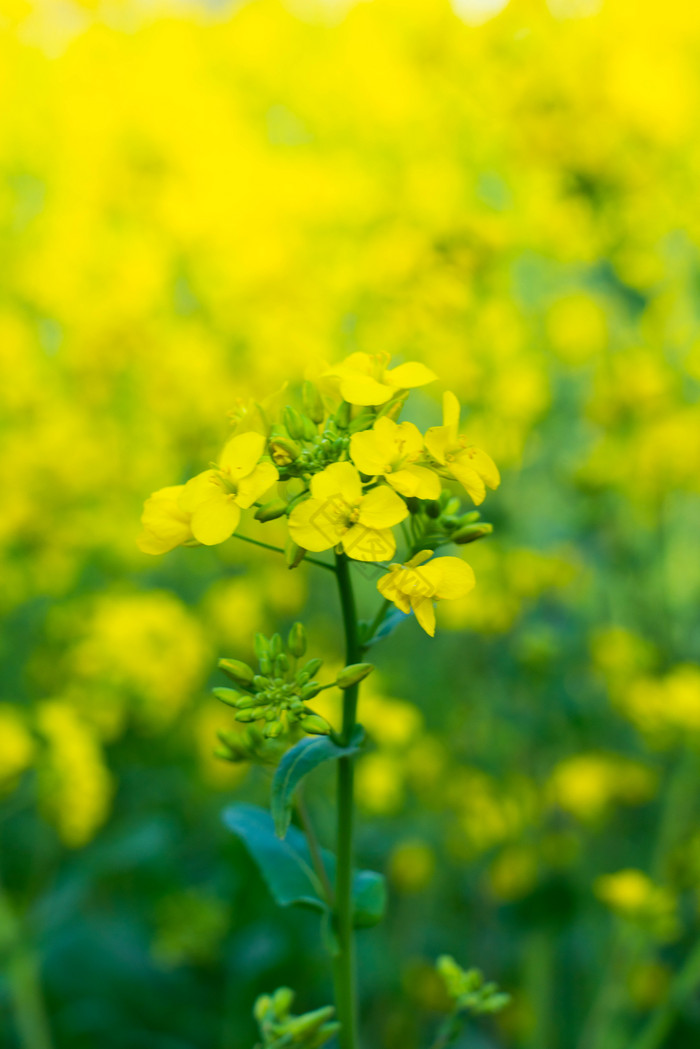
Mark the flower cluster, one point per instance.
(279, 1028)
(279, 693)
(344, 473)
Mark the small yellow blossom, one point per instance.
(391, 450)
(16, 746)
(415, 585)
(216, 497)
(472, 467)
(165, 524)
(340, 513)
(633, 895)
(365, 379)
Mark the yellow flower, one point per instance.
(415, 585)
(216, 497)
(339, 512)
(363, 378)
(471, 466)
(165, 524)
(390, 450)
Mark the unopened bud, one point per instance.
(282, 1001)
(296, 640)
(343, 415)
(275, 645)
(315, 725)
(262, 1006)
(432, 508)
(271, 511)
(239, 672)
(273, 729)
(281, 663)
(262, 645)
(293, 422)
(311, 667)
(293, 554)
(310, 690)
(353, 674)
(245, 716)
(303, 1027)
(469, 533)
(312, 401)
(363, 421)
(228, 696)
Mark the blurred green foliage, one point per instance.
(195, 203)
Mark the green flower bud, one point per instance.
(260, 682)
(282, 663)
(312, 402)
(311, 667)
(315, 725)
(262, 1007)
(323, 1035)
(271, 511)
(239, 672)
(273, 729)
(296, 640)
(353, 674)
(262, 645)
(275, 645)
(229, 696)
(364, 421)
(245, 716)
(343, 415)
(282, 1001)
(468, 518)
(469, 533)
(293, 554)
(293, 422)
(302, 1027)
(310, 690)
(432, 508)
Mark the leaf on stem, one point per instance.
(297, 763)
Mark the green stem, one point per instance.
(23, 980)
(280, 550)
(314, 847)
(344, 962)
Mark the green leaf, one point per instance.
(368, 898)
(287, 867)
(296, 764)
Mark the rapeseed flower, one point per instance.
(455, 457)
(414, 587)
(364, 378)
(165, 523)
(340, 512)
(391, 450)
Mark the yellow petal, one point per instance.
(425, 614)
(450, 411)
(240, 455)
(369, 544)
(316, 525)
(406, 437)
(251, 488)
(198, 490)
(388, 589)
(366, 453)
(215, 520)
(483, 464)
(338, 479)
(364, 390)
(408, 376)
(382, 508)
(468, 478)
(437, 440)
(452, 577)
(415, 482)
(165, 524)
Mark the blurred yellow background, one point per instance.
(196, 202)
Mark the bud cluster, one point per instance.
(441, 521)
(279, 1029)
(467, 989)
(279, 692)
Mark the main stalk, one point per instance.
(344, 965)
